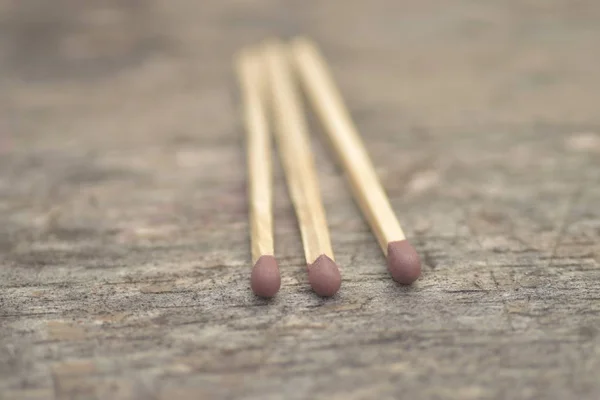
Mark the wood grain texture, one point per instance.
(124, 247)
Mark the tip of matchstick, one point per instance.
(324, 276)
(403, 262)
(265, 279)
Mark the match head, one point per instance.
(324, 276)
(265, 279)
(403, 262)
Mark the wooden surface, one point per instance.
(124, 246)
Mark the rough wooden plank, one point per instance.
(123, 230)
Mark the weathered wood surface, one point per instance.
(124, 245)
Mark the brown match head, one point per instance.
(265, 279)
(324, 276)
(403, 262)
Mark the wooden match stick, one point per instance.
(265, 279)
(292, 138)
(402, 259)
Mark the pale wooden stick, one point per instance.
(296, 156)
(297, 160)
(265, 278)
(346, 142)
(260, 192)
(403, 261)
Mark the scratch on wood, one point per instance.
(60, 330)
(75, 367)
(158, 288)
(504, 305)
(565, 222)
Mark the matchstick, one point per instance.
(292, 137)
(264, 279)
(402, 259)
